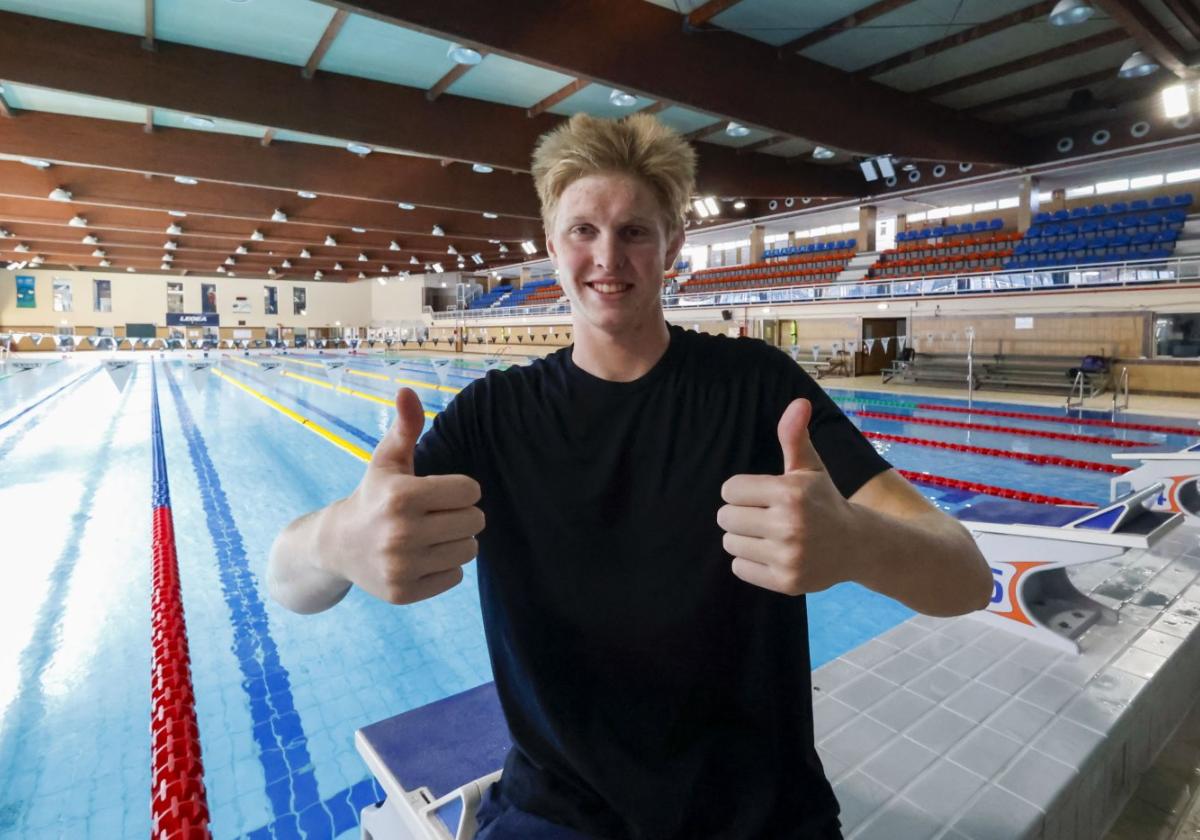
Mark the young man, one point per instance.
(658, 503)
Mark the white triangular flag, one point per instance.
(869, 343)
(901, 340)
(119, 372)
(816, 348)
(885, 341)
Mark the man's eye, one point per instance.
(580, 229)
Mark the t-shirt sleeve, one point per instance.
(850, 458)
(445, 448)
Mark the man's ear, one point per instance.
(551, 250)
(674, 246)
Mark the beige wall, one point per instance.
(1060, 334)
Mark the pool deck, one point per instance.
(956, 729)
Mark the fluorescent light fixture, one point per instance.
(385, 269)
(1137, 65)
(329, 240)
(37, 163)
(317, 275)
(186, 179)
(528, 247)
(413, 260)
(503, 248)
(60, 194)
(404, 205)
(481, 168)
(170, 244)
(885, 166)
(129, 268)
(1070, 12)
(77, 221)
(437, 231)
(99, 252)
(306, 194)
(477, 259)
(739, 205)
(450, 249)
(868, 170)
(174, 229)
(1175, 101)
(736, 129)
(381, 281)
(257, 236)
(358, 230)
(711, 204)
(488, 215)
(199, 122)
(304, 255)
(701, 208)
(337, 266)
(362, 257)
(821, 153)
(230, 261)
(105, 263)
(393, 246)
(622, 99)
(179, 214)
(359, 149)
(463, 55)
(286, 264)
(279, 216)
(438, 268)
(90, 239)
(241, 249)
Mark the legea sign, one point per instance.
(193, 319)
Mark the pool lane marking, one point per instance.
(59, 390)
(414, 382)
(278, 731)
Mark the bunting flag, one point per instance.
(491, 362)
(197, 374)
(869, 343)
(885, 341)
(816, 348)
(851, 346)
(335, 371)
(901, 340)
(929, 337)
(836, 346)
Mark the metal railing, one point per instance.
(1120, 397)
(1080, 385)
(1129, 273)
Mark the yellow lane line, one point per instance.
(368, 375)
(343, 390)
(340, 442)
(418, 384)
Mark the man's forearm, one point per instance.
(295, 577)
(929, 563)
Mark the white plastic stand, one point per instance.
(1177, 472)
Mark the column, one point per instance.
(757, 234)
(867, 216)
(1027, 202)
(525, 277)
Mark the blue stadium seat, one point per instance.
(1118, 208)
(1182, 200)
(1079, 213)
(1097, 210)
(996, 224)
(980, 226)
(1041, 218)
(1060, 215)
(1139, 206)
(1160, 202)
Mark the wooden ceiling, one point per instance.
(135, 96)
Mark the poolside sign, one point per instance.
(193, 319)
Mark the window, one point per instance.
(1145, 181)
(1007, 203)
(208, 297)
(1080, 192)
(1043, 197)
(299, 301)
(985, 206)
(102, 297)
(270, 300)
(1177, 335)
(915, 217)
(938, 213)
(1182, 175)
(1119, 185)
(174, 297)
(849, 226)
(775, 238)
(960, 209)
(62, 296)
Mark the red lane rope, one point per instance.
(983, 427)
(1083, 421)
(991, 490)
(1053, 460)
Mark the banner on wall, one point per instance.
(193, 319)
(241, 305)
(26, 294)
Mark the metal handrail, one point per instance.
(1120, 399)
(1078, 384)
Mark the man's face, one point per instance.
(611, 247)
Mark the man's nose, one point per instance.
(608, 252)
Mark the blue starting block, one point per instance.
(434, 763)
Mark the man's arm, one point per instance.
(295, 577)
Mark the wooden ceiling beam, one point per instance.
(148, 38)
(268, 137)
(1186, 14)
(705, 12)
(703, 131)
(1095, 42)
(559, 95)
(5, 111)
(327, 38)
(1075, 83)
(656, 107)
(844, 24)
(974, 33)
(1150, 35)
(456, 73)
(760, 144)
(1136, 90)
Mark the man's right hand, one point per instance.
(401, 537)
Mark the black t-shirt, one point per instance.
(650, 693)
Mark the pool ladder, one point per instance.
(1120, 401)
(1079, 386)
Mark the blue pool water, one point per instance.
(278, 695)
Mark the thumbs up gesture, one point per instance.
(786, 532)
(401, 537)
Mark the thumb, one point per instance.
(395, 450)
(798, 450)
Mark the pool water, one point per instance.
(280, 695)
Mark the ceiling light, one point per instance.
(481, 168)
(463, 55)
(165, 267)
(451, 250)
(711, 204)
(528, 247)
(105, 263)
(1137, 65)
(286, 264)
(487, 215)
(437, 231)
(185, 179)
(329, 240)
(885, 166)
(60, 194)
(1070, 12)
(621, 99)
(701, 208)
(77, 221)
(179, 214)
(271, 271)
(37, 260)
(170, 244)
(477, 259)
(38, 163)
(129, 268)
(735, 129)
(90, 239)
(413, 261)
(279, 216)
(362, 257)
(257, 236)
(393, 246)
(304, 255)
(503, 248)
(358, 230)
(23, 248)
(359, 148)
(382, 281)
(230, 261)
(174, 229)
(317, 275)
(198, 122)
(4, 234)
(438, 268)
(168, 258)
(384, 269)
(821, 153)
(306, 194)
(337, 266)
(1175, 101)
(241, 249)
(99, 252)
(404, 205)
(739, 205)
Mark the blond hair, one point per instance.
(638, 145)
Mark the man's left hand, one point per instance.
(789, 533)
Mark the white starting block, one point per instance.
(1177, 472)
(434, 763)
(1033, 595)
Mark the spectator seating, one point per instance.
(815, 267)
(950, 368)
(952, 253)
(489, 299)
(942, 231)
(811, 248)
(1052, 373)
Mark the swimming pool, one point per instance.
(279, 695)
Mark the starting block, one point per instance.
(1178, 472)
(1033, 596)
(422, 758)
